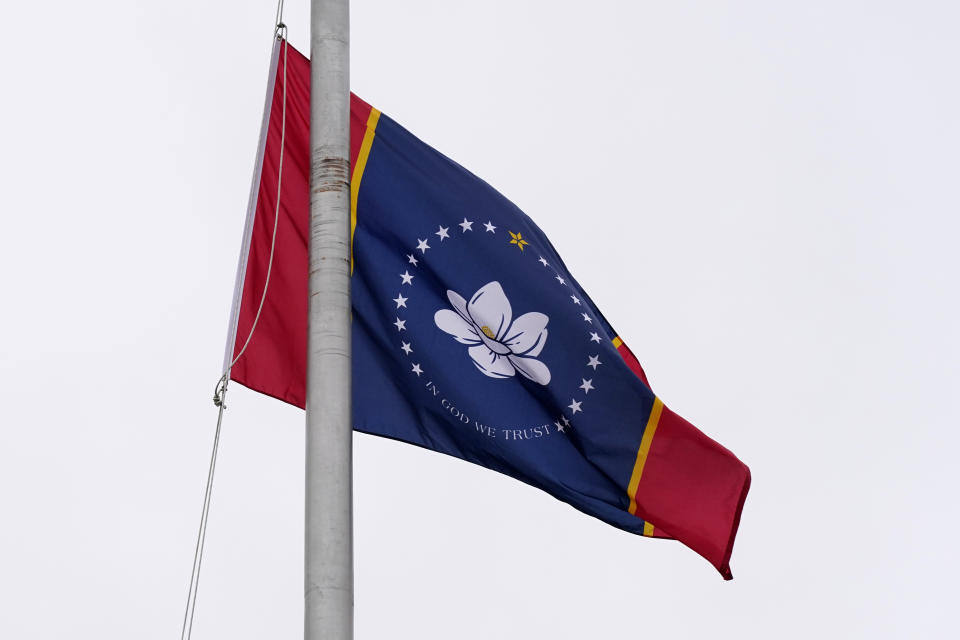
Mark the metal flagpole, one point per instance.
(328, 571)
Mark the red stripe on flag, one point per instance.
(631, 361)
(359, 114)
(694, 489)
(279, 345)
(275, 361)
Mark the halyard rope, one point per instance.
(220, 392)
(187, 629)
(281, 33)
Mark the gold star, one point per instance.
(518, 239)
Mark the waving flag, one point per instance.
(470, 336)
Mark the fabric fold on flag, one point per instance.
(470, 335)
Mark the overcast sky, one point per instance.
(761, 198)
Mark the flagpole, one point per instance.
(328, 558)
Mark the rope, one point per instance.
(281, 32)
(220, 391)
(187, 629)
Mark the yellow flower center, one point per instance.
(487, 332)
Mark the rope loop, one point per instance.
(220, 392)
(279, 20)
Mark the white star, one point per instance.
(587, 386)
(423, 246)
(406, 348)
(490, 227)
(411, 259)
(442, 233)
(400, 300)
(401, 325)
(561, 280)
(587, 318)
(543, 262)
(417, 370)
(594, 362)
(466, 225)
(407, 278)
(566, 422)
(594, 337)
(575, 406)
(575, 299)
(559, 426)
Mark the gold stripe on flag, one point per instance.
(642, 452)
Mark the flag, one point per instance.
(470, 335)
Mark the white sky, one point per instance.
(762, 199)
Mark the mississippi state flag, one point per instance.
(470, 336)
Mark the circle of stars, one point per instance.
(579, 398)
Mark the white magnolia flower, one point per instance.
(499, 345)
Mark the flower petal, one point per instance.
(527, 334)
(490, 308)
(531, 368)
(497, 347)
(490, 363)
(456, 326)
(459, 304)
